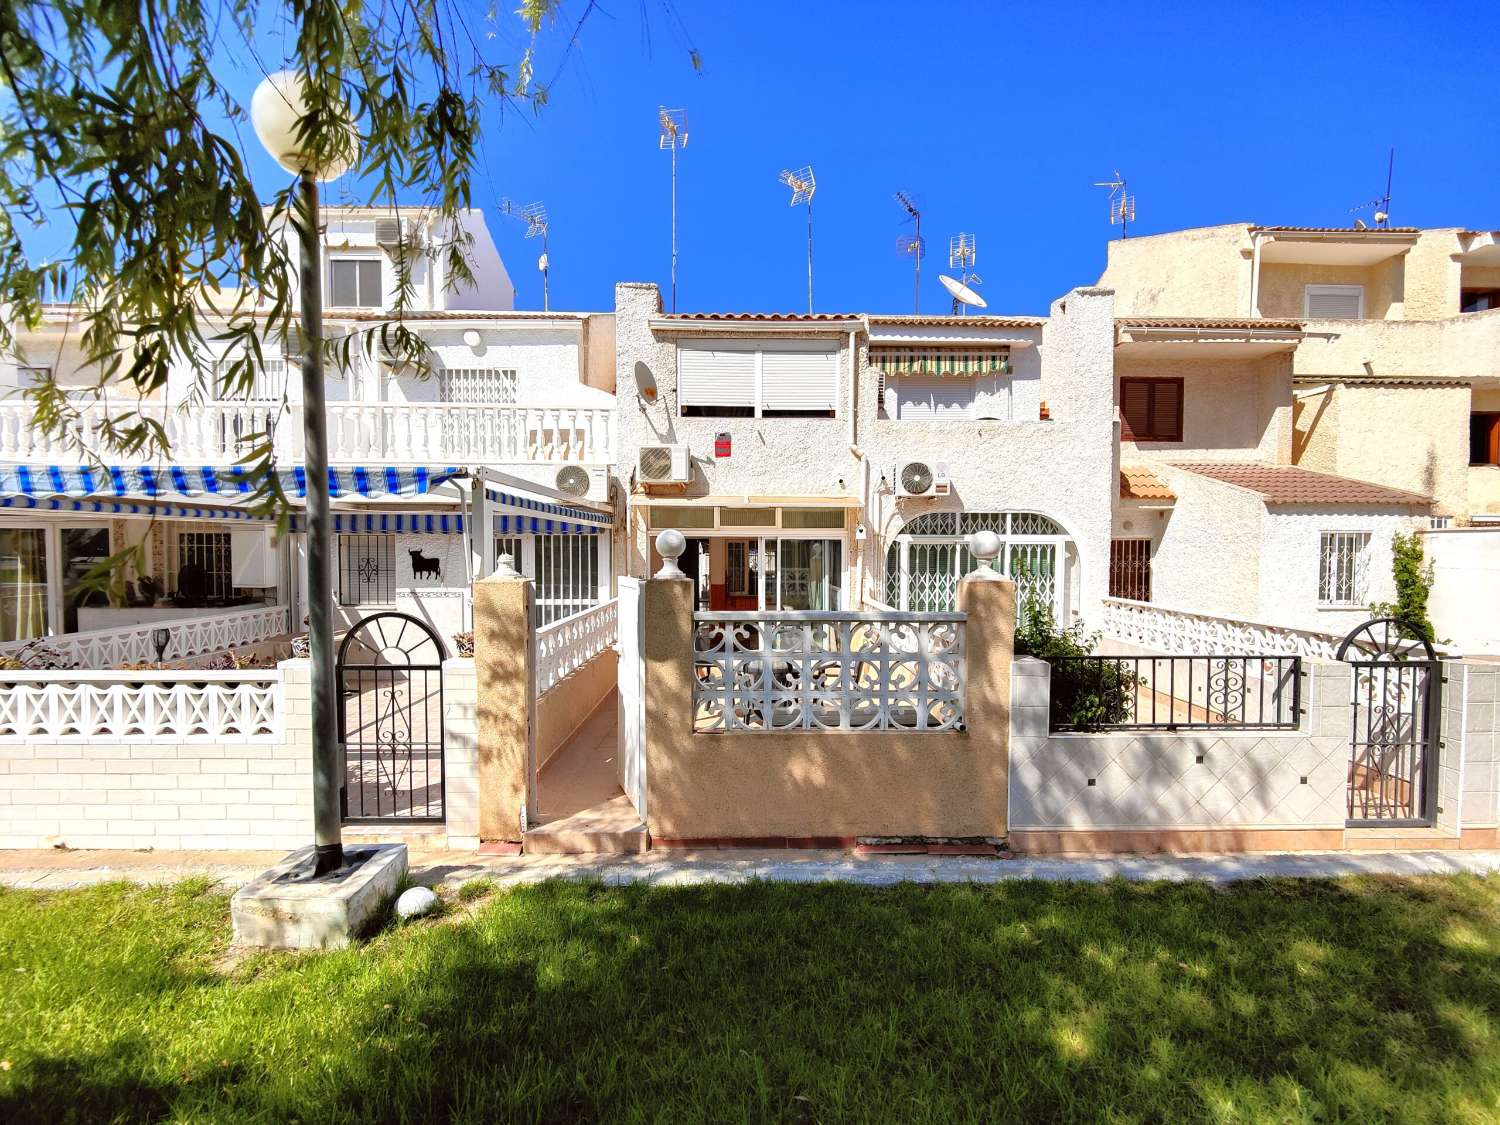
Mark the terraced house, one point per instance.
(1367, 355)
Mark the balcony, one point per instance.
(386, 432)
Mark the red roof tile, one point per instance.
(1339, 230)
(1137, 482)
(1208, 322)
(1289, 484)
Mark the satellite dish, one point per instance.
(961, 292)
(645, 382)
(542, 263)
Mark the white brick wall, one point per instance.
(207, 795)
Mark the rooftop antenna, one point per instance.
(913, 245)
(803, 184)
(962, 253)
(1121, 203)
(1382, 205)
(534, 215)
(674, 135)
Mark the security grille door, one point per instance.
(1395, 713)
(390, 677)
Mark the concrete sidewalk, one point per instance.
(60, 870)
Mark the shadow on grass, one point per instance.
(1369, 999)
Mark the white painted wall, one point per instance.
(1465, 600)
(1208, 549)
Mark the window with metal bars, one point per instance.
(201, 567)
(1130, 569)
(367, 566)
(564, 568)
(489, 386)
(1343, 571)
(925, 562)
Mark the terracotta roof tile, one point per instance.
(1208, 322)
(1137, 482)
(1289, 484)
(959, 321)
(772, 318)
(1340, 230)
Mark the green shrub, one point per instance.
(1086, 695)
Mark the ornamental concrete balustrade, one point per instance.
(395, 433)
(186, 637)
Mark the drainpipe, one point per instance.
(853, 389)
(1255, 273)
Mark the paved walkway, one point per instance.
(59, 870)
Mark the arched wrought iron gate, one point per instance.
(390, 677)
(1395, 705)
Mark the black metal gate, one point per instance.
(390, 677)
(1395, 706)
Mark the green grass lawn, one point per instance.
(1358, 1000)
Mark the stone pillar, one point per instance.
(504, 671)
(990, 603)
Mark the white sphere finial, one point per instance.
(985, 547)
(505, 566)
(669, 545)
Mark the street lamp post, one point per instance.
(276, 109)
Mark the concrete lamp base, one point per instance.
(286, 908)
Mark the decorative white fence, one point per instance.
(828, 671)
(567, 645)
(140, 706)
(133, 644)
(1178, 631)
(391, 432)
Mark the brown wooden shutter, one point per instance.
(1135, 408)
(1166, 410)
(1151, 409)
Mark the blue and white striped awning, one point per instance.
(212, 480)
(128, 508)
(379, 523)
(534, 525)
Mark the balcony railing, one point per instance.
(133, 644)
(389, 432)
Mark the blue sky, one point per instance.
(998, 118)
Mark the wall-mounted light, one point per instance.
(472, 337)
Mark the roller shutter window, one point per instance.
(1151, 409)
(931, 398)
(1334, 302)
(799, 382)
(716, 381)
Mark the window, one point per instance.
(202, 568)
(23, 580)
(354, 283)
(1151, 409)
(1343, 571)
(925, 561)
(490, 386)
(1333, 302)
(1438, 523)
(28, 375)
(1130, 569)
(930, 398)
(1484, 438)
(564, 568)
(366, 565)
(744, 380)
(741, 557)
(1478, 300)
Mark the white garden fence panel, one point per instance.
(134, 644)
(567, 645)
(168, 707)
(828, 671)
(1178, 631)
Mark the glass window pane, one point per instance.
(747, 517)
(691, 516)
(342, 284)
(82, 549)
(23, 583)
(369, 284)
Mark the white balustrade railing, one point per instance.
(1179, 631)
(567, 645)
(390, 432)
(828, 671)
(140, 706)
(134, 644)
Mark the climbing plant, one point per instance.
(1412, 575)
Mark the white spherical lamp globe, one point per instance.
(275, 109)
(984, 546)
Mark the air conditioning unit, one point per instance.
(590, 483)
(922, 478)
(388, 233)
(664, 464)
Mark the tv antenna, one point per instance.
(534, 215)
(912, 244)
(1382, 205)
(674, 135)
(962, 254)
(1121, 204)
(803, 184)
